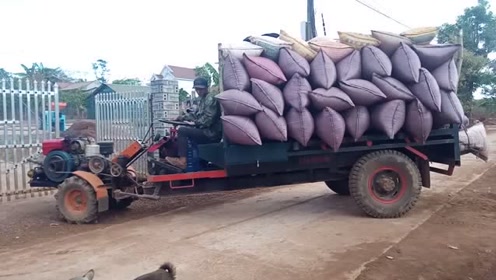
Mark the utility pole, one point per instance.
(311, 30)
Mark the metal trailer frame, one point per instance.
(271, 164)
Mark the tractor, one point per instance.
(384, 176)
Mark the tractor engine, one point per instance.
(62, 156)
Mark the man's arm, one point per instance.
(210, 113)
(186, 117)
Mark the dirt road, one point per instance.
(297, 232)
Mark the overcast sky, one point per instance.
(138, 37)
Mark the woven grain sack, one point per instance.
(451, 110)
(238, 49)
(390, 42)
(271, 46)
(362, 92)
(234, 74)
(268, 95)
(334, 49)
(474, 140)
(333, 98)
(427, 91)
(421, 35)
(419, 120)
(330, 128)
(446, 75)
(406, 64)
(322, 71)
(264, 69)
(240, 130)
(357, 40)
(296, 91)
(433, 56)
(375, 61)
(466, 122)
(300, 125)
(392, 88)
(357, 121)
(271, 126)
(299, 45)
(292, 63)
(389, 117)
(240, 103)
(350, 67)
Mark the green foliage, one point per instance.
(127, 81)
(100, 69)
(4, 74)
(75, 99)
(183, 95)
(210, 73)
(38, 72)
(478, 24)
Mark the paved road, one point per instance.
(296, 232)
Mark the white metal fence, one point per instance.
(25, 108)
(122, 117)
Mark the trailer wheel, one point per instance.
(341, 187)
(76, 201)
(385, 184)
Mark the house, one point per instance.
(81, 86)
(184, 76)
(111, 88)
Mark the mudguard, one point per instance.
(97, 184)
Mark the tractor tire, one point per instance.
(76, 201)
(385, 184)
(340, 187)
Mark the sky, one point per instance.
(137, 38)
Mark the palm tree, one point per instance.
(38, 72)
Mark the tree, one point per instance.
(183, 95)
(100, 69)
(210, 73)
(4, 74)
(38, 72)
(127, 81)
(478, 24)
(75, 99)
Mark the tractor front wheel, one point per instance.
(76, 201)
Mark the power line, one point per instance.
(381, 13)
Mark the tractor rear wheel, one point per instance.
(76, 201)
(385, 184)
(340, 187)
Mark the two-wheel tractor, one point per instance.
(77, 202)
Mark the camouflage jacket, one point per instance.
(206, 117)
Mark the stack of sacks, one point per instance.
(280, 88)
(418, 81)
(252, 102)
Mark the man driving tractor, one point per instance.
(205, 124)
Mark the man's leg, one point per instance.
(183, 133)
